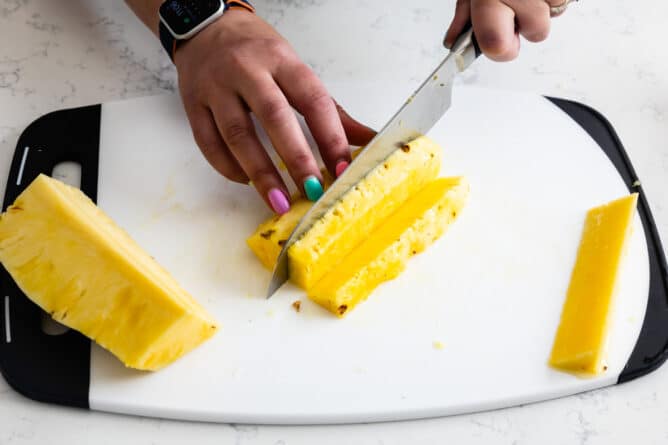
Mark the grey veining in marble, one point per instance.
(609, 54)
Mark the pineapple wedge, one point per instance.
(362, 209)
(382, 256)
(71, 259)
(580, 342)
(267, 241)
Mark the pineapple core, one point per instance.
(580, 343)
(74, 262)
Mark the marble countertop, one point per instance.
(64, 53)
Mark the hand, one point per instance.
(240, 64)
(497, 24)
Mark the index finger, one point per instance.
(309, 96)
(267, 101)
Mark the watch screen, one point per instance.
(183, 15)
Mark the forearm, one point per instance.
(147, 11)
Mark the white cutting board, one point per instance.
(490, 290)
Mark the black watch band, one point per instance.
(167, 39)
(170, 43)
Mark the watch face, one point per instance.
(184, 15)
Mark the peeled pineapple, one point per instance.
(362, 209)
(382, 256)
(580, 342)
(71, 259)
(395, 212)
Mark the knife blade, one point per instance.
(416, 117)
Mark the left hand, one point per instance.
(498, 24)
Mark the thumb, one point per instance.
(357, 133)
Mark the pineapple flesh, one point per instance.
(73, 261)
(362, 209)
(395, 212)
(580, 342)
(383, 255)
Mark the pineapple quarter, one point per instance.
(73, 261)
(580, 342)
(362, 209)
(383, 256)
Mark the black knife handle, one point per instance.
(467, 37)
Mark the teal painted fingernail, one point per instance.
(312, 188)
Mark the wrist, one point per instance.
(179, 22)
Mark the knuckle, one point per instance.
(301, 159)
(236, 132)
(336, 142)
(494, 43)
(273, 109)
(318, 101)
(278, 48)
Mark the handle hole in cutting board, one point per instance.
(70, 173)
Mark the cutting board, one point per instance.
(468, 326)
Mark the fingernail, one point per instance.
(279, 202)
(312, 188)
(446, 42)
(340, 167)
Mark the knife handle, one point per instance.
(467, 40)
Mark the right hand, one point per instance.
(239, 64)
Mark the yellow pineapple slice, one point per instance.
(362, 209)
(267, 241)
(580, 342)
(382, 256)
(72, 260)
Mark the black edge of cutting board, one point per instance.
(48, 368)
(56, 369)
(651, 349)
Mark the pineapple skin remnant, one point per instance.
(73, 261)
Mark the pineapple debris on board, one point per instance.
(74, 262)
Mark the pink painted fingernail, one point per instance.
(279, 202)
(340, 167)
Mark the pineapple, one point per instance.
(269, 237)
(267, 241)
(382, 256)
(395, 212)
(71, 259)
(579, 345)
(362, 209)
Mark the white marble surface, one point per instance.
(63, 53)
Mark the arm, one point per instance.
(237, 64)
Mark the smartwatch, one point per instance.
(181, 19)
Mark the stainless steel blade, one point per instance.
(416, 117)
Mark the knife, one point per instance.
(416, 117)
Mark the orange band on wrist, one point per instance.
(240, 4)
